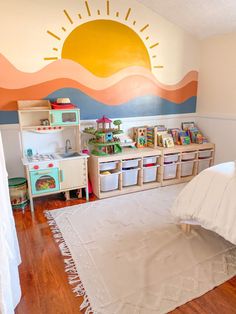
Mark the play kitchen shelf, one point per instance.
(130, 171)
(48, 120)
(140, 169)
(56, 171)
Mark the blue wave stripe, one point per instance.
(8, 117)
(92, 109)
(140, 106)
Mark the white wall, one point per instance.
(216, 103)
(11, 140)
(220, 130)
(217, 75)
(12, 150)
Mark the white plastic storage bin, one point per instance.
(149, 160)
(108, 165)
(204, 153)
(188, 156)
(130, 177)
(109, 182)
(170, 171)
(150, 173)
(131, 163)
(203, 164)
(171, 158)
(187, 168)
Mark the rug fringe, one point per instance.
(70, 268)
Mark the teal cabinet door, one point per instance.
(44, 181)
(64, 117)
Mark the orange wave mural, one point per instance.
(119, 88)
(15, 79)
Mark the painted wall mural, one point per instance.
(104, 65)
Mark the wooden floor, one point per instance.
(45, 289)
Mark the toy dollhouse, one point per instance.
(104, 141)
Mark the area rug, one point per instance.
(126, 255)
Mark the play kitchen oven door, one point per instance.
(64, 117)
(44, 181)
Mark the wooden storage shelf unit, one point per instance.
(189, 161)
(190, 156)
(128, 155)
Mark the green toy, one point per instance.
(105, 142)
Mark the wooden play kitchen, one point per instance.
(55, 171)
(141, 169)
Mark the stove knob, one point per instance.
(54, 128)
(39, 129)
(50, 165)
(36, 167)
(49, 128)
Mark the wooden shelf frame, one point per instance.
(160, 152)
(182, 150)
(128, 154)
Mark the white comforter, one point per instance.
(210, 200)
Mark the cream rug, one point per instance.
(132, 259)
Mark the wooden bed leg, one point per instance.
(186, 228)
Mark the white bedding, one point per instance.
(210, 200)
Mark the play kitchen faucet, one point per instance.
(68, 146)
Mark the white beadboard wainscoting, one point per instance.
(221, 130)
(11, 138)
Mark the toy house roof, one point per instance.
(104, 119)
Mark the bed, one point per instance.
(210, 201)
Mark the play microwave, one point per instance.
(64, 117)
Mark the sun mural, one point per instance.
(95, 47)
(105, 46)
(104, 60)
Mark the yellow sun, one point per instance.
(105, 47)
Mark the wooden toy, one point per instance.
(151, 136)
(154, 135)
(140, 136)
(104, 141)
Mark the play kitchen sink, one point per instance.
(70, 154)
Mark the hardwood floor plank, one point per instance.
(45, 287)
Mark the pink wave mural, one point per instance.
(117, 89)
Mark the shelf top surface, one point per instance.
(130, 153)
(147, 151)
(185, 148)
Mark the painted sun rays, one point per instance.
(88, 12)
